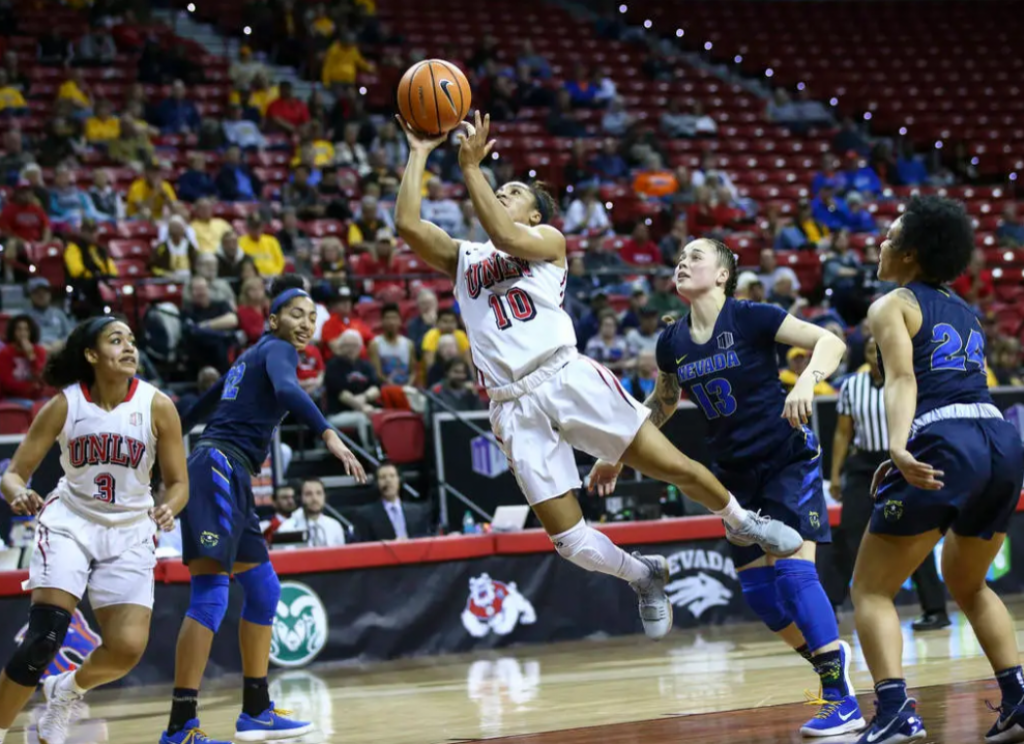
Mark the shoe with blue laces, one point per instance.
(271, 725)
(1009, 727)
(906, 725)
(837, 714)
(191, 734)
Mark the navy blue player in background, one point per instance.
(220, 530)
(724, 356)
(956, 466)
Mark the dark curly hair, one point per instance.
(69, 365)
(939, 233)
(727, 260)
(33, 328)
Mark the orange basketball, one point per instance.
(434, 97)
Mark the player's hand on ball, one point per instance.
(917, 473)
(163, 516)
(474, 146)
(603, 477)
(798, 404)
(418, 141)
(337, 448)
(27, 503)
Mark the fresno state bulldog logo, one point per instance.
(495, 607)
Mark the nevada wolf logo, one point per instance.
(495, 607)
(698, 593)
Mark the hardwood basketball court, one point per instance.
(721, 684)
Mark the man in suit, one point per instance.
(390, 518)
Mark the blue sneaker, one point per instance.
(189, 735)
(835, 717)
(1009, 727)
(270, 725)
(904, 726)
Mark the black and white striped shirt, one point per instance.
(864, 401)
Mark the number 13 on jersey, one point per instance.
(519, 303)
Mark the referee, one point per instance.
(862, 422)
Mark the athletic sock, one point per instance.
(805, 651)
(255, 696)
(733, 514)
(828, 665)
(1011, 683)
(892, 693)
(71, 683)
(591, 549)
(184, 707)
(3, 733)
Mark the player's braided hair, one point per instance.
(69, 365)
(940, 234)
(727, 260)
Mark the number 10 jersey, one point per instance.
(107, 456)
(513, 312)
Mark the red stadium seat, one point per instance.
(14, 418)
(129, 248)
(401, 434)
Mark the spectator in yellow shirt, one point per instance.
(208, 229)
(86, 258)
(312, 141)
(75, 90)
(322, 24)
(10, 97)
(102, 126)
(150, 197)
(797, 360)
(262, 93)
(264, 249)
(447, 324)
(343, 62)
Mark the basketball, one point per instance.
(434, 97)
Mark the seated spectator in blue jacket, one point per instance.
(236, 182)
(910, 167)
(830, 210)
(858, 218)
(828, 175)
(582, 90)
(562, 121)
(177, 114)
(861, 177)
(69, 205)
(537, 64)
(1010, 232)
(608, 164)
(195, 183)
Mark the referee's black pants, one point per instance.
(858, 505)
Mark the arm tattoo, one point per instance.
(907, 297)
(664, 400)
(818, 376)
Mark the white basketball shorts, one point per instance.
(73, 553)
(569, 402)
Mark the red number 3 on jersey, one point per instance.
(105, 487)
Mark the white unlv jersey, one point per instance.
(513, 312)
(107, 456)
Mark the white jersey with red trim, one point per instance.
(107, 456)
(513, 312)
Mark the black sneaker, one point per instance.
(932, 621)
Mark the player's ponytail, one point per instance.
(69, 365)
(727, 260)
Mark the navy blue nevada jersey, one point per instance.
(949, 351)
(733, 379)
(249, 402)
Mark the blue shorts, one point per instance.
(788, 488)
(220, 520)
(983, 462)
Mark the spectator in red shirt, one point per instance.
(23, 218)
(378, 261)
(640, 250)
(287, 113)
(311, 370)
(252, 309)
(21, 362)
(340, 321)
(708, 215)
(975, 285)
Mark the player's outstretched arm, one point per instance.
(170, 455)
(826, 353)
(538, 243)
(45, 429)
(202, 408)
(429, 242)
(888, 320)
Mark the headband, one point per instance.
(285, 297)
(542, 206)
(94, 326)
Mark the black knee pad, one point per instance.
(47, 626)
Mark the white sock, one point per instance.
(3, 733)
(592, 550)
(71, 684)
(734, 515)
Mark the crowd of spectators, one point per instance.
(158, 183)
